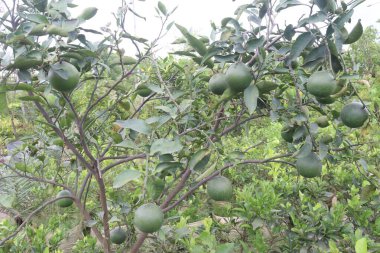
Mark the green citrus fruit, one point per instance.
(218, 84)
(143, 90)
(321, 84)
(354, 115)
(219, 188)
(65, 202)
(326, 139)
(238, 77)
(149, 218)
(325, 100)
(63, 76)
(118, 235)
(309, 166)
(322, 121)
(287, 134)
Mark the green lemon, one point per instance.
(321, 84)
(238, 77)
(118, 235)
(149, 218)
(65, 202)
(219, 188)
(63, 76)
(218, 84)
(354, 115)
(309, 166)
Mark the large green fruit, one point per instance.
(63, 76)
(238, 77)
(218, 84)
(309, 166)
(143, 90)
(65, 202)
(354, 115)
(326, 139)
(321, 84)
(118, 235)
(322, 121)
(325, 100)
(219, 188)
(149, 218)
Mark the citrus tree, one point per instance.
(129, 139)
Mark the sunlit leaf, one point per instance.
(125, 177)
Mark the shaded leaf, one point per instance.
(286, 4)
(253, 44)
(199, 160)
(162, 8)
(300, 44)
(125, 177)
(165, 146)
(137, 125)
(195, 43)
(250, 98)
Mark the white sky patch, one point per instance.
(196, 16)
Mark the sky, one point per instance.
(196, 15)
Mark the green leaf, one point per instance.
(305, 150)
(253, 44)
(234, 22)
(289, 32)
(315, 18)
(3, 103)
(286, 4)
(37, 18)
(131, 37)
(199, 160)
(163, 166)
(32, 99)
(137, 125)
(251, 95)
(300, 44)
(165, 146)
(316, 53)
(125, 177)
(162, 8)
(212, 51)
(343, 18)
(6, 200)
(195, 43)
(225, 248)
(361, 245)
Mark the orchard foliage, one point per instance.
(135, 144)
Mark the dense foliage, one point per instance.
(261, 138)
